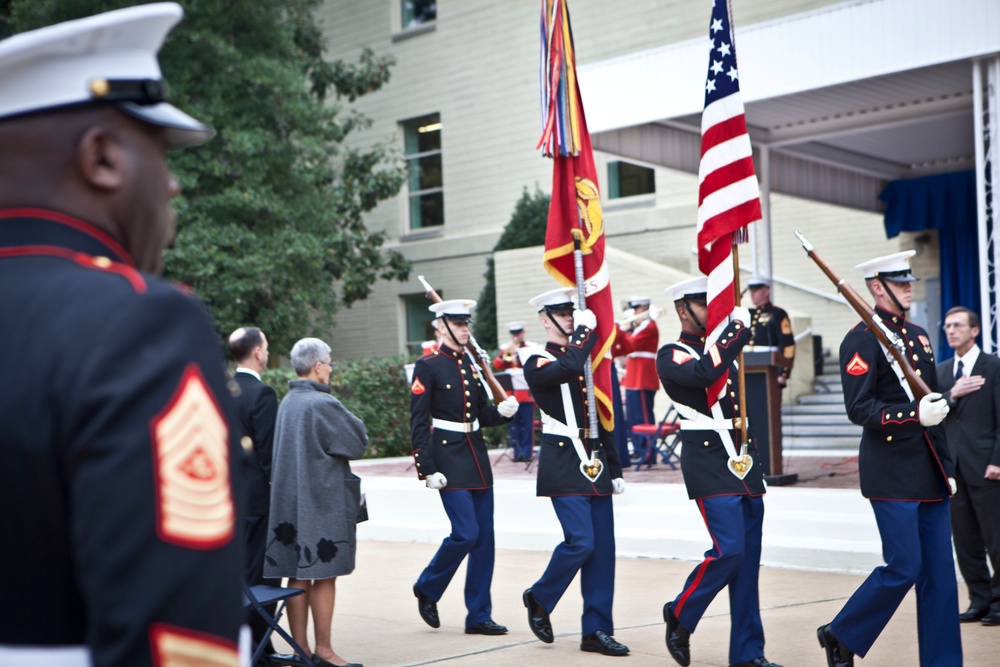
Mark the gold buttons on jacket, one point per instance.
(707, 443)
(468, 393)
(888, 438)
(101, 262)
(447, 386)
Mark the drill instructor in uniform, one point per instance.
(448, 406)
(116, 490)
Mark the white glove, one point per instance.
(507, 407)
(953, 485)
(436, 481)
(654, 313)
(933, 409)
(617, 486)
(626, 314)
(584, 318)
(742, 314)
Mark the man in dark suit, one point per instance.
(971, 384)
(258, 406)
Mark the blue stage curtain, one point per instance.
(947, 203)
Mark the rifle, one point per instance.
(884, 335)
(480, 356)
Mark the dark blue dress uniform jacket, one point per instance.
(899, 459)
(446, 385)
(558, 463)
(704, 460)
(95, 357)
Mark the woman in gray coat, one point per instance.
(314, 496)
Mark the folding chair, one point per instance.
(255, 597)
(653, 439)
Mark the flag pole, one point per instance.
(742, 373)
(581, 299)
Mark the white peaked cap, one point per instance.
(691, 287)
(758, 281)
(455, 308)
(515, 326)
(639, 301)
(109, 57)
(554, 297)
(894, 267)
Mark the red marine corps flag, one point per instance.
(728, 193)
(576, 202)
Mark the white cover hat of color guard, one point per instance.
(109, 58)
(894, 267)
(457, 310)
(514, 327)
(555, 297)
(756, 280)
(694, 287)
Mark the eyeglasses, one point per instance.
(328, 363)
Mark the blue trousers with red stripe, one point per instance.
(916, 546)
(588, 547)
(471, 515)
(734, 523)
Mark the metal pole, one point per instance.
(581, 299)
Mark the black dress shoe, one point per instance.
(972, 614)
(428, 608)
(486, 628)
(992, 618)
(293, 659)
(603, 643)
(678, 638)
(538, 618)
(756, 662)
(837, 654)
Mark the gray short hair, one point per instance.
(306, 353)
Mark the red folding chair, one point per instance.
(651, 439)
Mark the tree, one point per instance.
(525, 229)
(270, 228)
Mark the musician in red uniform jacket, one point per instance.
(639, 339)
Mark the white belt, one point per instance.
(458, 427)
(707, 424)
(642, 355)
(558, 428)
(45, 656)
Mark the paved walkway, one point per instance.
(376, 621)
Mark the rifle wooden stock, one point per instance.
(868, 316)
(499, 394)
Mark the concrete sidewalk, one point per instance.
(819, 545)
(376, 621)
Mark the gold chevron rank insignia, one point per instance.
(193, 494)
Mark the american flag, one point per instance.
(728, 193)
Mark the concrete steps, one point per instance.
(819, 420)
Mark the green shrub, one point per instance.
(376, 391)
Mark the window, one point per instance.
(418, 321)
(629, 180)
(423, 164)
(417, 12)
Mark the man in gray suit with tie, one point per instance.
(971, 382)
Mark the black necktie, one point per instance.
(958, 369)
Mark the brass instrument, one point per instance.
(652, 313)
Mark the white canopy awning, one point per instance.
(844, 98)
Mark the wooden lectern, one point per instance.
(761, 368)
